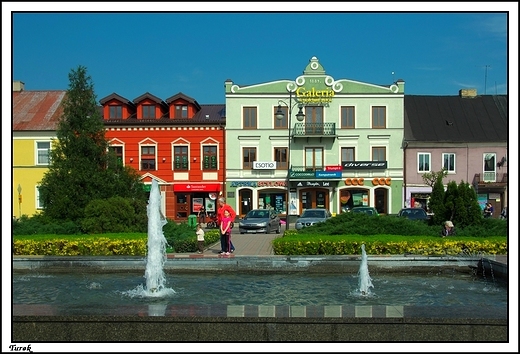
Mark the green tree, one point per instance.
(452, 201)
(468, 211)
(437, 201)
(430, 178)
(81, 169)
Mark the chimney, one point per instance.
(18, 86)
(468, 93)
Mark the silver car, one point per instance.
(311, 217)
(260, 221)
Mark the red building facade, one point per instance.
(176, 141)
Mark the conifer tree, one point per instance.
(437, 201)
(81, 169)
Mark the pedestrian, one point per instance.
(222, 206)
(503, 214)
(488, 210)
(200, 238)
(448, 229)
(225, 230)
(201, 215)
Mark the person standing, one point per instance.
(200, 238)
(201, 215)
(225, 230)
(222, 206)
(503, 214)
(488, 210)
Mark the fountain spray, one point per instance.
(365, 282)
(156, 253)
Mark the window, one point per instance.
(272, 200)
(118, 152)
(148, 158)
(423, 162)
(489, 167)
(181, 111)
(448, 162)
(249, 156)
(347, 117)
(379, 153)
(348, 154)
(209, 157)
(378, 117)
(115, 112)
(313, 120)
(281, 123)
(314, 159)
(249, 118)
(149, 111)
(39, 203)
(180, 158)
(43, 149)
(280, 156)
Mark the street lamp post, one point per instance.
(300, 116)
(19, 200)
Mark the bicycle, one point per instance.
(212, 223)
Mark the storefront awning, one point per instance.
(196, 187)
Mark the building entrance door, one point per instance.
(314, 198)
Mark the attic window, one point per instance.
(181, 111)
(149, 111)
(115, 112)
(207, 116)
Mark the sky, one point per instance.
(165, 53)
(177, 48)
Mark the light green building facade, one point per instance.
(345, 152)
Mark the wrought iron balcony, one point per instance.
(490, 179)
(307, 168)
(319, 130)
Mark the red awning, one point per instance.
(196, 187)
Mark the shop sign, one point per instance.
(314, 184)
(364, 165)
(313, 95)
(301, 174)
(328, 174)
(334, 168)
(193, 187)
(254, 184)
(259, 165)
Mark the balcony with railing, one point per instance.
(314, 130)
(490, 179)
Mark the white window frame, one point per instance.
(454, 161)
(39, 205)
(42, 149)
(419, 162)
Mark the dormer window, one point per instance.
(149, 111)
(115, 112)
(181, 111)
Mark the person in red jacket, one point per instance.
(220, 215)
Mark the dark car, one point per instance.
(365, 209)
(413, 214)
(260, 221)
(311, 217)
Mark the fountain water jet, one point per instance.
(365, 282)
(156, 253)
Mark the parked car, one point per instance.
(413, 213)
(365, 209)
(311, 217)
(260, 221)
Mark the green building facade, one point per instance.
(336, 145)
